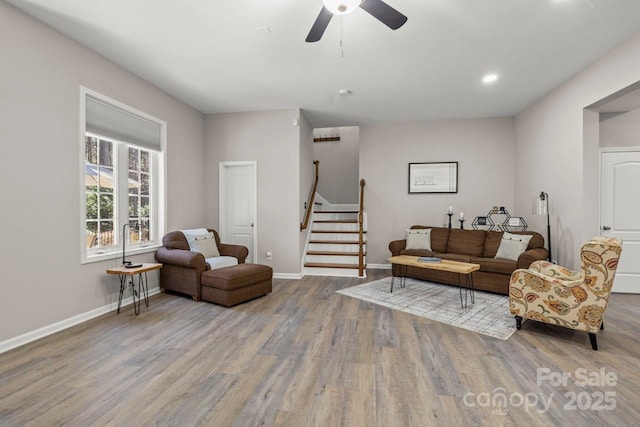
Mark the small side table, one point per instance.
(143, 288)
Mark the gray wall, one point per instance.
(271, 139)
(553, 154)
(339, 167)
(40, 76)
(621, 131)
(307, 176)
(502, 161)
(484, 150)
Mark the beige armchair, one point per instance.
(574, 299)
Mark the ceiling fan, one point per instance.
(376, 8)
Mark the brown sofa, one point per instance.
(182, 269)
(474, 246)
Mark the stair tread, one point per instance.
(331, 265)
(339, 242)
(338, 231)
(350, 212)
(334, 253)
(336, 221)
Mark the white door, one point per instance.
(238, 205)
(620, 213)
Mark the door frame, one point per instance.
(222, 216)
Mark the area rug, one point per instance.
(489, 315)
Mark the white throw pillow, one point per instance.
(221, 261)
(419, 238)
(512, 245)
(194, 233)
(205, 244)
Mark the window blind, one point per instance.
(111, 121)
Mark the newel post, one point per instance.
(361, 230)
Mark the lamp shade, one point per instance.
(341, 7)
(542, 204)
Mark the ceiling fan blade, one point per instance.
(317, 30)
(384, 13)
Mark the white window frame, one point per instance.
(157, 186)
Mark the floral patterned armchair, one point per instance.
(574, 299)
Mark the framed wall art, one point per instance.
(433, 177)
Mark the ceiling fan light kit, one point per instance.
(341, 7)
(376, 8)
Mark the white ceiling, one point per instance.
(218, 57)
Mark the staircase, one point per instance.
(333, 247)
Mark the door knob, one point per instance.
(252, 224)
(606, 228)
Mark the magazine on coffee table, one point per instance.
(429, 259)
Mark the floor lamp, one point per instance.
(542, 206)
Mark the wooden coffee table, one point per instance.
(462, 269)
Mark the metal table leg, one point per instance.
(134, 294)
(463, 305)
(127, 276)
(143, 288)
(468, 289)
(123, 284)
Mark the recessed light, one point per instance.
(489, 78)
(344, 92)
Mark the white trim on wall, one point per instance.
(291, 276)
(51, 329)
(379, 266)
(618, 149)
(159, 172)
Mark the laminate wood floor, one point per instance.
(306, 356)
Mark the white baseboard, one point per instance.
(292, 276)
(298, 276)
(379, 266)
(332, 272)
(28, 337)
(31, 336)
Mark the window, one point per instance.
(99, 193)
(139, 195)
(123, 185)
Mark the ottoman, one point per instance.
(239, 283)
